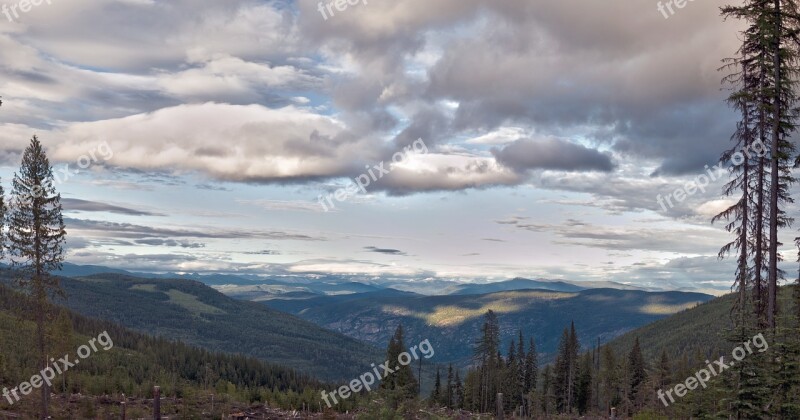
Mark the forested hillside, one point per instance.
(630, 376)
(189, 377)
(191, 312)
(450, 321)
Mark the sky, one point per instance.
(468, 140)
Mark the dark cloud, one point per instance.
(170, 243)
(552, 153)
(385, 251)
(133, 231)
(74, 204)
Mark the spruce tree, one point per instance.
(401, 383)
(566, 369)
(458, 393)
(548, 392)
(448, 397)
(531, 367)
(511, 393)
(521, 372)
(436, 393)
(487, 357)
(638, 374)
(36, 237)
(583, 394)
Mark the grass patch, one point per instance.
(144, 287)
(190, 303)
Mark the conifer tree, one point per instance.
(36, 237)
(638, 374)
(610, 383)
(487, 356)
(402, 380)
(531, 367)
(448, 397)
(566, 369)
(521, 372)
(548, 394)
(458, 393)
(510, 371)
(436, 393)
(583, 394)
(664, 371)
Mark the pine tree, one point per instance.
(664, 371)
(487, 356)
(521, 372)
(448, 397)
(531, 367)
(436, 393)
(511, 394)
(566, 369)
(610, 382)
(638, 374)
(583, 394)
(782, 41)
(36, 237)
(767, 85)
(401, 381)
(548, 393)
(458, 394)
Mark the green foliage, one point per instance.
(399, 385)
(137, 362)
(566, 370)
(638, 375)
(196, 314)
(35, 240)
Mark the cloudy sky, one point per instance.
(211, 133)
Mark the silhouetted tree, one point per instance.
(36, 236)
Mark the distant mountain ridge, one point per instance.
(516, 284)
(258, 288)
(452, 322)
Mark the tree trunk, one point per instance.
(774, 190)
(42, 354)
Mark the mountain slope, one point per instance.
(197, 314)
(131, 362)
(703, 329)
(452, 322)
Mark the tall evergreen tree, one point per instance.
(548, 392)
(448, 396)
(531, 367)
(487, 356)
(36, 237)
(401, 383)
(436, 393)
(521, 371)
(510, 391)
(583, 393)
(664, 371)
(766, 95)
(458, 393)
(781, 36)
(638, 374)
(610, 383)
(566, 369)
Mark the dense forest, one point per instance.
(188, 376)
